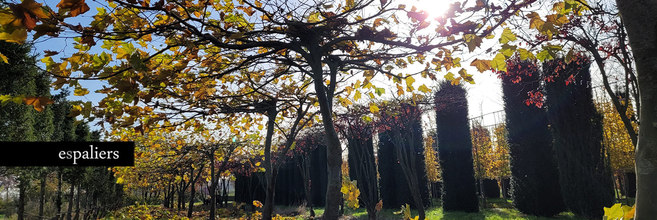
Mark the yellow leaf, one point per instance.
(613, 212)
(350, 4)
(357, 95)
(80, 91)
(409, 81)
(630, 214)
(499, 62)
(373, 108)
(14, 35)
(482, 65)
(257, 203)
(423, 88)
(314, 17)
(4, 58)
(119, 180)
(507, 36)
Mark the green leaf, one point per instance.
(508, 50)
(136, 62)
(570, 56)
(4, 99)
(499, 62)
(544, 55)
(525, 54)
(507, 36)
(380, 91)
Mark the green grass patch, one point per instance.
(496, 209)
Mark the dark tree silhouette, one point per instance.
(455, 149)
(576, 126)
(535, 176)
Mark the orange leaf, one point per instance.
(39, 103)
(76, 7)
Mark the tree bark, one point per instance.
(641, 24)
(42, 194)
(193, 190)
(58, 199)
(77, 204)
(333, 147)
(269, 168)
(21, 199)
(213, 188)
(69, 211)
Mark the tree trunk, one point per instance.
(213, 188)
(268, 208)
(77, 204)
(192, 192)
(21, 199)
(224, 192)
(58, 199)
(333, 147)
(641, 24)
(42, 195)
(69, 211)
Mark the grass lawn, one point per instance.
(496, 209)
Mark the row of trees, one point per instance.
(42, 191)
(221, 56)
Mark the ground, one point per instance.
(496, 209)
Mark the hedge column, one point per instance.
(455, 149)
(534, 173)
(576, 125)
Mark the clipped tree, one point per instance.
(576, 126)
(455, 149)
(400, 140)
(361, 159)
(534, 172)
(502, 167)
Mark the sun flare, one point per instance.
(435, 8)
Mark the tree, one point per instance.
(598, 31)
(616, 141)
(361, 159)
(400, 137)
(534, 171)
(232, 43)
(482, 148)
(576, 126)
(455, 149)
(640, 23)
(19, 122)
(502, 166)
